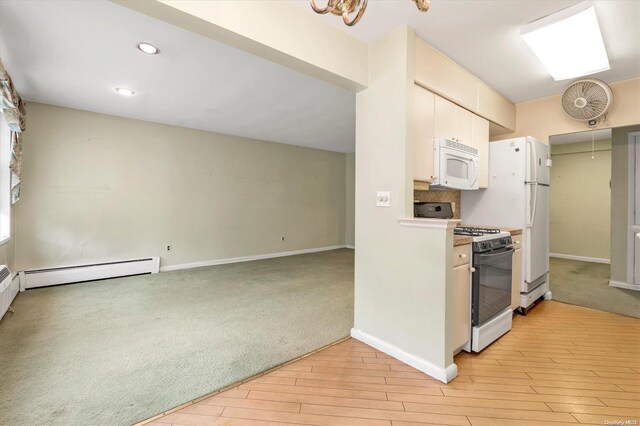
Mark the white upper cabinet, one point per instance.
(464, 120)
(439, 74)
(452, 121)
(445, 118)
(480, 141)
(424, 126)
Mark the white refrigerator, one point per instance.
(517, 196)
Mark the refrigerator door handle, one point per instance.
(531, 215)
(533, 156)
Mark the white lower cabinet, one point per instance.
(461, 300)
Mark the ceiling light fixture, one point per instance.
(345, 8)
(568, 43)
(124, 91)
(147, 48)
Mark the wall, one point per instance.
(401, 291)
(620, 201)
(580, 200)
(545, 117)
(98, 187)
(350, 199)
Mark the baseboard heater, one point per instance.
(9, 286)
(90, 272)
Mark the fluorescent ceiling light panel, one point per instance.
(568, 43)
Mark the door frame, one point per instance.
(634, 148)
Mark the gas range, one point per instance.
(491, 285)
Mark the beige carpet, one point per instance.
(119, 351)
(587, 284)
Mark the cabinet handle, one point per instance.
(472, 269)
(463, 256)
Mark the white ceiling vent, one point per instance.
(587, 100)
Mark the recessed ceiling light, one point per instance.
(568, 43)
(148, 48)
(124, 91)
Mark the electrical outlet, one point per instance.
(168, 248)
(282, 238)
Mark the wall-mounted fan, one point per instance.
(587, 100)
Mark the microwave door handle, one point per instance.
(475, 172)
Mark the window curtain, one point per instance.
(14, 112)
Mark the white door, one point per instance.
(635, 226)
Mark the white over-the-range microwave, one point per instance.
(455, 165)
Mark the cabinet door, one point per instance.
(461, 305)
(424, 114)
(445, 118)
(516, 277)
(480, 140)
(463, 120)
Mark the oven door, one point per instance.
(459, 170)
(491, 284)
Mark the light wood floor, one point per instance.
(559, 364)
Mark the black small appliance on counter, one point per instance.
(432, 210)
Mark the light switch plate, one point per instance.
(383, 199)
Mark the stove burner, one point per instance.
(474, 232)
(468, 233)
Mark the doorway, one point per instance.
(587, 183)
(634, 210)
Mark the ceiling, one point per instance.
(74, 53)
(484, 37)
(587, 136)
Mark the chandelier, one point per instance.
(345, 8)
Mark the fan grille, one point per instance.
(586, 99)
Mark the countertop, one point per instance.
(512, 231)
(460, 240)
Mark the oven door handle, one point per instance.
(502, 253)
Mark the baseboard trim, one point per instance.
(621, 284)
(245, 258)
(581, 258)
(350, 247)
(445, 375)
